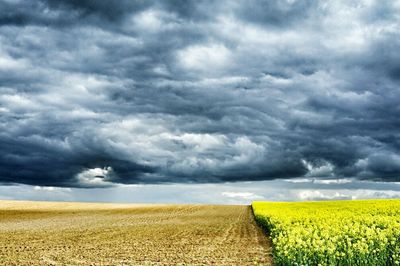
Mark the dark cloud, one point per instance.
(96, 12)
(98, 93)
(36, 160)
(22, 13)
(279, 13)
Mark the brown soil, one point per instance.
(43, 233)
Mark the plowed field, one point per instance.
(46, 233)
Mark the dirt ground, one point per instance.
(46, 233)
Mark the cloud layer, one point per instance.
(98, 93)
(297, 189)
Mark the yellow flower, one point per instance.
(333, 231)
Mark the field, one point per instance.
(40, 233)
(333, 233)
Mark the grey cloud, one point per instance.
(64, 13)
(95, 94)
(106, 9)
(281, 13)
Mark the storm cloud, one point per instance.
(99, 93)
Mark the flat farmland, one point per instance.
(55, 233)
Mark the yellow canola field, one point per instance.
(362, 232)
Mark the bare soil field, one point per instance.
(55, 233)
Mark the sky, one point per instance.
(199, 101)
